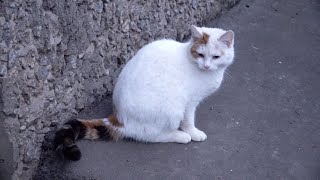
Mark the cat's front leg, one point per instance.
(187, 125)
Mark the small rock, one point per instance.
(99, 7)
(90, 49)
(11, 106)
(21, 13)
(3, 57)
(3, 70)
(30, 74)
(73, 64)
(39, 125)
(134, 26)
(37, 31)
(2, 20)
(30, 152)
(32, 128)
(141, 24)
(107, 72)
(194, 4)
(45, 130)
(44, 61)
(55, 40)
(6, 26)
(80, 55)
(80, 104)
(31, 64)
(42, 73)
(50, 77)
(13, 5)
(12, 59)
(126, 26)
(24, 51)
(23, 127)
(67, 97)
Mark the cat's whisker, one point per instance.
(228, 74)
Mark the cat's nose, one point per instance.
(206, 66)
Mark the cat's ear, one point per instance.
(227, 38)
(195, 32)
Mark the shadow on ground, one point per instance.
(53, 166)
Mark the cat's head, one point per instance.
(212, 48)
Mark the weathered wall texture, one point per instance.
(59, 56)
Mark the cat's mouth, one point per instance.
(210, 68)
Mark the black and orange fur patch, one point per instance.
(82, 129)
(114, 120)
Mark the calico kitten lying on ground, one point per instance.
(157, 92)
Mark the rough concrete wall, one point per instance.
(59, 56)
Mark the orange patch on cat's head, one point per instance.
(198, 42)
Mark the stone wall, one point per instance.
(59, 56)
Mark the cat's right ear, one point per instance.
(195, 32)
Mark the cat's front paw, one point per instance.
(182, 137)
(196, 134)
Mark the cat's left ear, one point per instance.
(195, 32)
(227, 38)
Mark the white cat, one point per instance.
(158, 90)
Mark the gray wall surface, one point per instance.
(59, 56)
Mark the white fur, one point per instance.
(160, 87)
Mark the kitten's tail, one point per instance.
(72, 130)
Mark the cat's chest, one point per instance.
(206, 84)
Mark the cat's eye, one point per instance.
(215, 57)
(201, 55)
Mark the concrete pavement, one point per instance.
(264, 122)
(6, 155)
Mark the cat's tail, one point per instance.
(75, 129)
